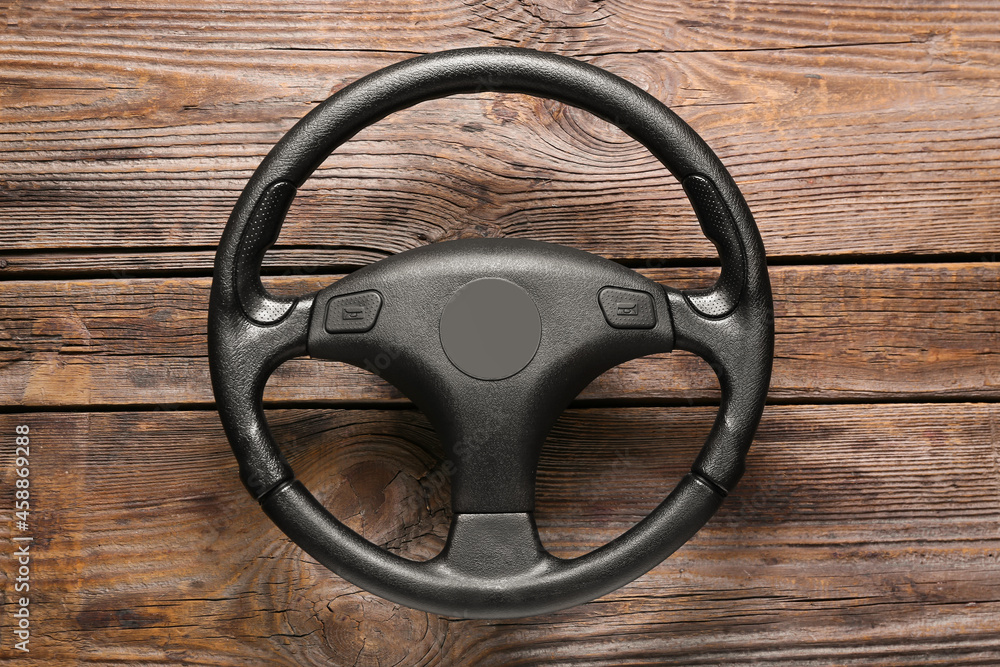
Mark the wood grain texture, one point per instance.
(598, 28)
(875, 137)
(843, 332)
(860, 534)
(864, 135)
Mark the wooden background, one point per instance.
(865, 137)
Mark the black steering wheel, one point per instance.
(492, 339)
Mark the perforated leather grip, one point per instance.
(260, 234)
(718, 225)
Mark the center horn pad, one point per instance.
(490, 329)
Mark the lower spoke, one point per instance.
(494, 546)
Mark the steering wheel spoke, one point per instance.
(492, 547)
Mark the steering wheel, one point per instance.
(492, 339)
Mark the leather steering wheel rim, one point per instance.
(494, 565)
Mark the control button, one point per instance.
(627, 309)
(353, 313)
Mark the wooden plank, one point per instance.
(843, 332)
(124, 144)
(577, 27)
(860, 534)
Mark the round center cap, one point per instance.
(490, 329)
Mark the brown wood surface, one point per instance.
(861, 531)
(843, 332)
(864, 136)
(141, 141)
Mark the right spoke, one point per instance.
(739, 348)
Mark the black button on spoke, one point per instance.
(627, 309)
(353, 313)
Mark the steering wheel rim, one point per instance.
(494, 565)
